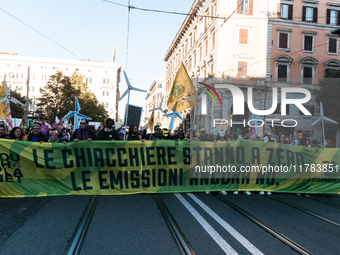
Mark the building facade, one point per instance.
(102, 78)
(153, 98)
(259, 44)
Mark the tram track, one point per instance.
(305, 211)
(78, 237)
(178, 236)
(293, 245)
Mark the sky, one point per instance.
(91, 29)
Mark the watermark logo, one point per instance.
(213, 90)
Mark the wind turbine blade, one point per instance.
(171, 126)
(178, 115)
(318, 120)
(140, 90)
(125, 93)
(8, 91)
(77, 105)
(68, 115)
(161, 103)
(126, 79)
(321, 109)
(190, 99)
(16, 101)
(154, 109)
(81, 116)
(330, 120)
(3, 99)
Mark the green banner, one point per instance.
(31, 169)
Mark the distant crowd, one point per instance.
(59, 133)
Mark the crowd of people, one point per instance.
(60, 134)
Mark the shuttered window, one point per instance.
(243, 36)
(283, 40)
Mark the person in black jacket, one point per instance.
(108, 132)
(37, 135)
(84, 132)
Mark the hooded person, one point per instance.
(165, 134)
(84, 132)
(108, 132)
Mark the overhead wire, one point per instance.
(39, 32)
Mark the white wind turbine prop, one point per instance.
(322, 118)
(127, 91)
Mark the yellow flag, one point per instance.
(3, 111)
(182, 87)
(23, 121)
(151, 120)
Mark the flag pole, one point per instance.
(27, 95)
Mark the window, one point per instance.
(307, 74)
(308, 43)
(242, 69)
(77, 69)
(66, 68)
(159, 85)
(284, 11)
(105, 80)
(333, 17)
(243, 36)
(206, 46)
(105, 104)
(245, 7)
(282, 73)
(332, 45)
(283, 40)
(310, 14)
(213, 40)
(332, 67)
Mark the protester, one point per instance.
(63, 135)
(121, 135)
(203, 136)
(179, 135)
(165, 134)
(83, 132)
(134, 134)
(157, 135)
(37, 135)
(54, 137)
(2, 132)
(108, 132)
(17, 134)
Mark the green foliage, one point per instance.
(58, 95)
(329, 94)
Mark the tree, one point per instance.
(329, 94)
(58, 96)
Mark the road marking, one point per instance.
(210, 230)
(248, 245)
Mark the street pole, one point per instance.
(27, 95)
(126, 115)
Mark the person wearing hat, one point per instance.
(108, 132)
(157, 135)
(203, 136)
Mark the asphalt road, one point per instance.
(133, 224)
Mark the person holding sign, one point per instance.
(134, 134)
(84, 132)
(108, 132)
(37, 135)
(17, 134)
